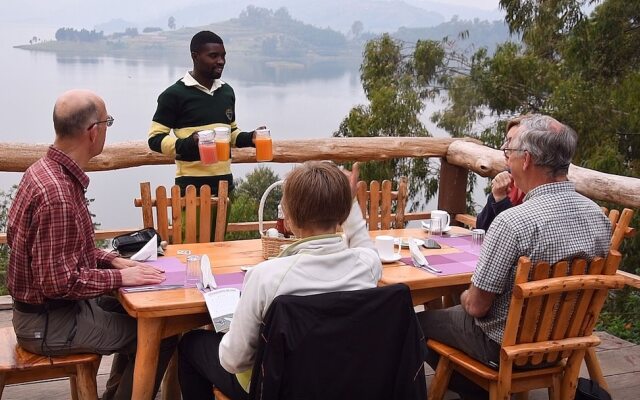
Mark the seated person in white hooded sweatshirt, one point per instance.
(317, 198)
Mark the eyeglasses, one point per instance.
(108, 121)
(505, 149)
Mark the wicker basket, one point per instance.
(270, 245)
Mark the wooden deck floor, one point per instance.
(620, 361)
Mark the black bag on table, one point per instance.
(130, 243)
(590, 390)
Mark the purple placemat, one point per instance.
(463, 243)
(168, 264)
(454, 263)
(174, 270)
(458, 241)
(450, 264)
(233, 279)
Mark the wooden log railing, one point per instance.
(458, 157)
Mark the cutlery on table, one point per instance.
(419, 259)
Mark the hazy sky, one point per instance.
(484, 4)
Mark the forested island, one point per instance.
(260, 32)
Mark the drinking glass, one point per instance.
(477, 237)
(194, 272)
(223, 146)
(264, 146)
(435, 226)
(207, 148)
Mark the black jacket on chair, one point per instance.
(363, 344)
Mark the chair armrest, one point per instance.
(466, 219)
(549, 346)
(629, 278)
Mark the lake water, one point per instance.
(307, 103)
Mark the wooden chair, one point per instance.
(18, 366)
(621, 230)
(551, 319)
(376, 203)
(219, 395)
(620, 222)
(197, 216)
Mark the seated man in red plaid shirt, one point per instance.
(56, 275)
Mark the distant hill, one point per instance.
(375, 15)
(115, 25)
(256, 32)
(270, 35)
(468, 35)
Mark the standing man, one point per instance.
(198, 101)
(56, 275)
(553, 223)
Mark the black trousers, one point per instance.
(454, 327)
(200, 370)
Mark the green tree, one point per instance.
(397, 79)
(5, 203)
(356, 29)
(171, 23)
(246, 200)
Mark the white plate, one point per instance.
(426, 225)
(419, 242)
(395, 258)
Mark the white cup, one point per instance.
(443, 216)
(386, 247)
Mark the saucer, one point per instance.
(418, 242)
(396, 257)
(426, 226)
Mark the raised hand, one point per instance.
(353, 178)
(500, 185)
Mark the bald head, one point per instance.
(75, 111)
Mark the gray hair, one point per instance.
(72, 122)
(550, 143)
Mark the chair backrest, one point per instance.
(376, 203)
(362, 344)
(555, 302)
(620, 223)
(195, 224)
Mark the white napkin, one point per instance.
(149, 252)
(207, 276)
(416, 253)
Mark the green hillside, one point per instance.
(260, 33)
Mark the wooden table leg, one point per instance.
(149, 335)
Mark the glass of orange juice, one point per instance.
(207, 147)
(264, 146)
(223, 148)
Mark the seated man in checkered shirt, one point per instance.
(553, 223)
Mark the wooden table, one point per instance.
(425, 287)
(161, 314)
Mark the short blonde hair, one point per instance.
(316, 195)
